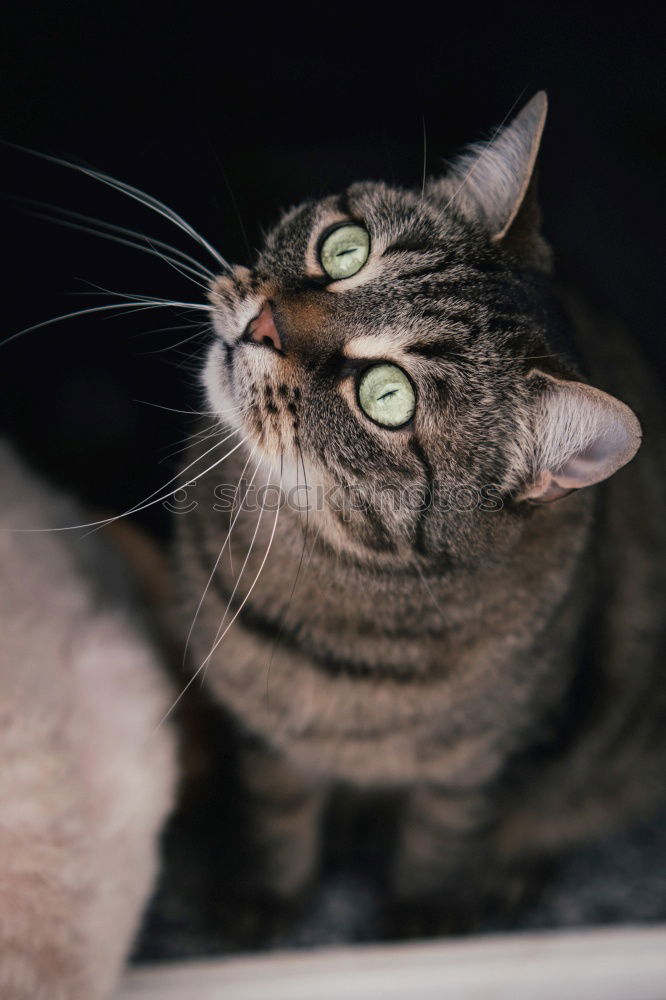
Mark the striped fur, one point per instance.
(495, 664)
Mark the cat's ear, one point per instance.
(494, 183)
(581, 436)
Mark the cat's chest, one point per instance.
(330, 717)
(373, 678)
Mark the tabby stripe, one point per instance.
(420, 537)
(407, 246)
(278, 631)
(382, 541)
(426, 350)
(432, 270)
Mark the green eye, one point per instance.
(344, 251)
(386, 395)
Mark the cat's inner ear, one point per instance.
(581, 436)
(491, 182)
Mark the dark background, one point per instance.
(231, 116)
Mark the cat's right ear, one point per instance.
(580, 436)
(493, 184)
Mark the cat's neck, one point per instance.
(282, 578)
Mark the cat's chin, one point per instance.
(276, 449)
(220, 398)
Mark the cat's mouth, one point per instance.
(254, 374)
(263, 386)
(273, 416)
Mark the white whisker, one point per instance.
(186, 469)
(127, 306)
(137, 195)
(221, 637)
(283, 616)
(182, 269)
(201, 332)
(198, 437)
(191, 413)
(245, 562)
(483, 153)
(144, 505)
(187, 270)
(425, 160)
(203, 435)
(224, 545)
(196, 265)
(140, 298)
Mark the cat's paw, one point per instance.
(419, 919)
(260, 920)
(467, 906)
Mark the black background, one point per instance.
(231, 115)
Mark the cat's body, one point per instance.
(497, 661)
(86, 776)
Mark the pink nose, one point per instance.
(263, 330)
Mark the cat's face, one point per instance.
(383, 343)
(433, 300)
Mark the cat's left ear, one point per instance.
(581, 436)
(494, 184)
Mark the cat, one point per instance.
(86, 772)
(447, 585)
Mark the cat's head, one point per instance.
(395, 344)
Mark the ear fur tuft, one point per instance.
(581, 437)
(494, 184)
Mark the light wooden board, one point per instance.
(611, 964)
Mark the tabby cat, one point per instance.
(413, 589)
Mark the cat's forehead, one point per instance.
(393, 217)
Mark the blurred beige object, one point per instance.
(625, 963)
(86, 768)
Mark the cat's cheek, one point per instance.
(235, 301)
(217, 385)
(230, 320)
